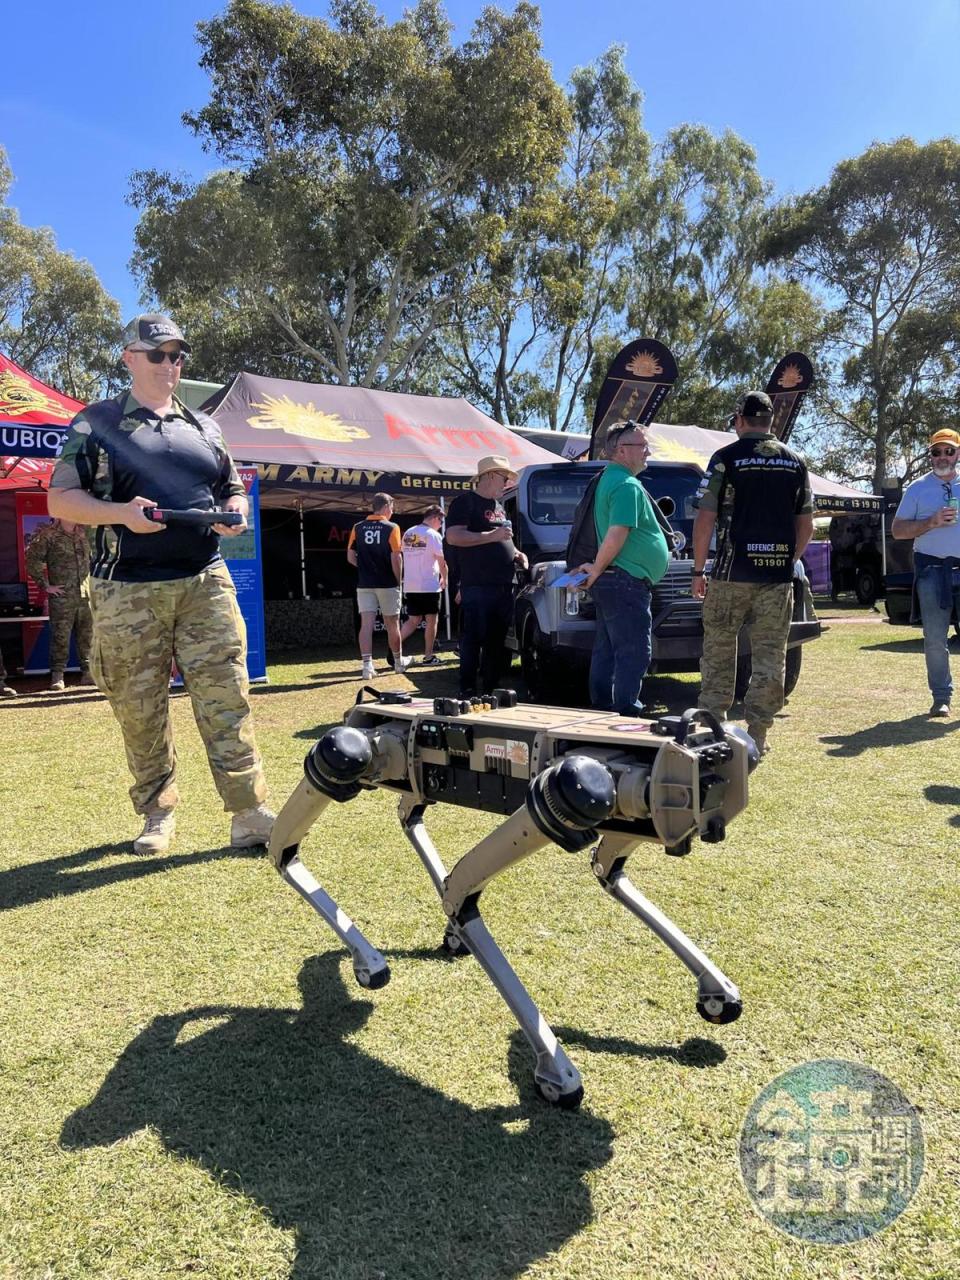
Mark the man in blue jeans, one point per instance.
(632, 557)
(928, 514)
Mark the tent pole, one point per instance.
(446, 587)
(303, 553)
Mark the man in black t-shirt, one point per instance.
(374, 551)
(160, 593)
(477, 526)
(756, 494)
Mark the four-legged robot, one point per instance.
(567, 777)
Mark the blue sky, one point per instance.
(89, 93)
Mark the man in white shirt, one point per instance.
(928, 514)
(424, 577)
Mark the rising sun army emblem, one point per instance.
(18, 397)
(790, 378)
(644, 365)
(280, 413)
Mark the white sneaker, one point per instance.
(252, 827)
(368, 671)
(400, 664)
(157, 833)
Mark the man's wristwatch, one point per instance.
(698, 573)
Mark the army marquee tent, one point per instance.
(330, 446)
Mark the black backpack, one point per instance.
(582, 544)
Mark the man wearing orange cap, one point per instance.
(928, 514)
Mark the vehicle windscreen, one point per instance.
(553, 496)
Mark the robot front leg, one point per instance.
(718, 999)
(562, 805)
(349, 756)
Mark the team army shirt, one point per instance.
(758, 487)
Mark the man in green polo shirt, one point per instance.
(632, 557)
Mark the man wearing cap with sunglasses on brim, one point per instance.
(928, 514)
(158, 592)
(632, 557)
(477, 526)
(756, 495)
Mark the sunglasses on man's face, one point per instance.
(158, 357)
(946, 452)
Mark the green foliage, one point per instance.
(881, 241)
(691, 278)
(522, 342)
(362, 157)
(55, 318)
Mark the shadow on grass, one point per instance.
(940, 793)
(695, 1052)
(375, 1172)
(889, 733)
(60, 877)
(30, 700)
(895, 646)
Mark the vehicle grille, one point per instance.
(674, 586)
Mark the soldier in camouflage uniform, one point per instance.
(58, 560)
(756, 494)
(159, 593)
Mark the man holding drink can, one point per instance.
(928, 514)
(477, 526)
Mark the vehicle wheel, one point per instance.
(898, 609)
(866, 588)
(790, 677)
(537, 663)
(744, 668)
(792, 673)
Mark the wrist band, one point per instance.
(698, 573)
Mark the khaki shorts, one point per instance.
(386, 599)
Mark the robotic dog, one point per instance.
(562, 776)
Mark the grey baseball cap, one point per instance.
(146, 333)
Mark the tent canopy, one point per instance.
(33, 420)
(699, 444)
(328, 446)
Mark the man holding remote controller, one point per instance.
(161, 592)
(928, 514)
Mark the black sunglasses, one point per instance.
(946, 452)
(158, 357)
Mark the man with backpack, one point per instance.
(162, 592)
(632, 556)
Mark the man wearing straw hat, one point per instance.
(478, 527)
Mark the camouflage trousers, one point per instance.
(68, 612)
(764, 608)
(139, 628)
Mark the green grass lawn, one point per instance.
(191, 1082)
